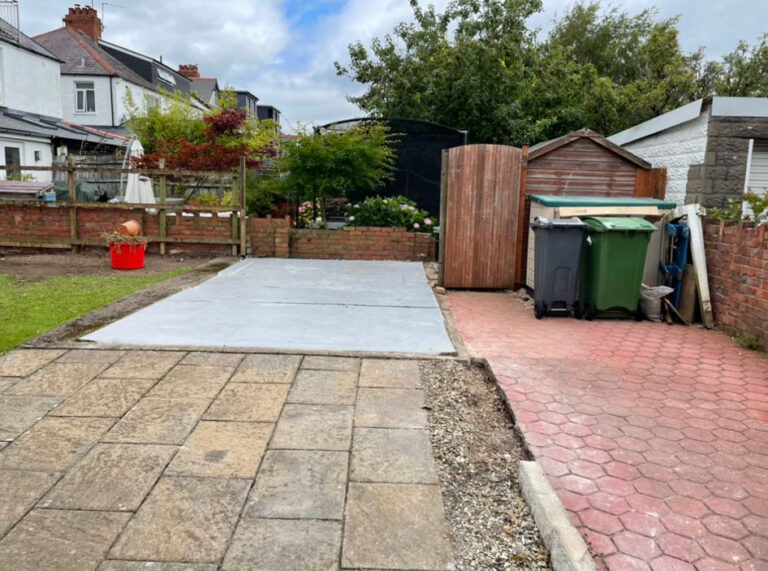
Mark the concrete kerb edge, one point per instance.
(567, 549)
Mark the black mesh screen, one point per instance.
(419, 153)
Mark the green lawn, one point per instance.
(28, 309)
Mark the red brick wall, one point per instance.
(269, 237)
(362, 244)
(737, 265)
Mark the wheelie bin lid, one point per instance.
(553, 223)
(616, 224)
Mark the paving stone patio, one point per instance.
(655, 437)
(172, 460)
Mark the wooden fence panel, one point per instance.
(481, 216)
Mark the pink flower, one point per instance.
(428, 222)
(416, 225)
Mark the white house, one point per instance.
(29, 83)
(94, 83)
(714, 149)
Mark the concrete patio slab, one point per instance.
(19, 491)
(654, 437)
(323, 305)
(104, 397)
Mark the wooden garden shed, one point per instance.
(582, 163)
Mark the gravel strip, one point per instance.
(477, 454)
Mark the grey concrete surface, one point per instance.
(315, 305)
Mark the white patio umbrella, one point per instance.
(138, 188)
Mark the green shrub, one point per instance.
(397, 211)
(262, 193)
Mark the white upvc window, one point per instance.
(85, 97)
(757, 167)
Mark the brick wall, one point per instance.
(268, 237)
(362, 244)
(737, 265)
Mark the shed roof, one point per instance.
(540, 149)
(38, 126)
(82, 56)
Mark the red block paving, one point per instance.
(655, 437)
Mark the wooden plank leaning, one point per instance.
(699, 263)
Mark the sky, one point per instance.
(283, 50)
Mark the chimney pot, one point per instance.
(85, 19)
(190, 71)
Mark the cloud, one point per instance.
(283, 50)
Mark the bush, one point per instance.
(387, 212)
(262, 193)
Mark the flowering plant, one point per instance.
(395, 211)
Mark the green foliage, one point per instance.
(477, 66)
(174, 119)
(29, 309)
(745, 339)
(331, 163)
(390, 212)
(262, 193)
(757, 209)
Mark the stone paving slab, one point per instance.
(395, 526)
(390, 373)
(19, 491)
(158, 421)
(222, 450)
(111, 477)
(248, 403)
(143, 365)
(54, 444)
(318, 427)
(293, 484)
(323, 363)
(57, 379)
(284, 545)
(195, 381)
(22, 363)
(390, 408)
(324, 387)
(154, 566)
(7, 382)
(267, 369)
(104, 397)
(392, 455)
(60, 540)
(17, 413)
(198, 461)
(184, 519)
(91, 356)
(655, 438)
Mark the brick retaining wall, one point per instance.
(268, 237)
(365, 243)
(737, 264)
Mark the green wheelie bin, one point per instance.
(614, 261)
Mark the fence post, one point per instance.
(242, 204)
(442, 219)
(235, 210)
(163, 219)
(72, 202)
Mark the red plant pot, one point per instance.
(127, 256)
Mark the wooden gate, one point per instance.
(479, 216)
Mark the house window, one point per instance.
(85, 97)
(757, 175)
(13, 162)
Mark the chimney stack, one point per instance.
(85, 19)
(189, 71)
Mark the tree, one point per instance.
(185, 139)
(477, 66)
(327, 164)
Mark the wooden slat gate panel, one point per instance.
(481, 216)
